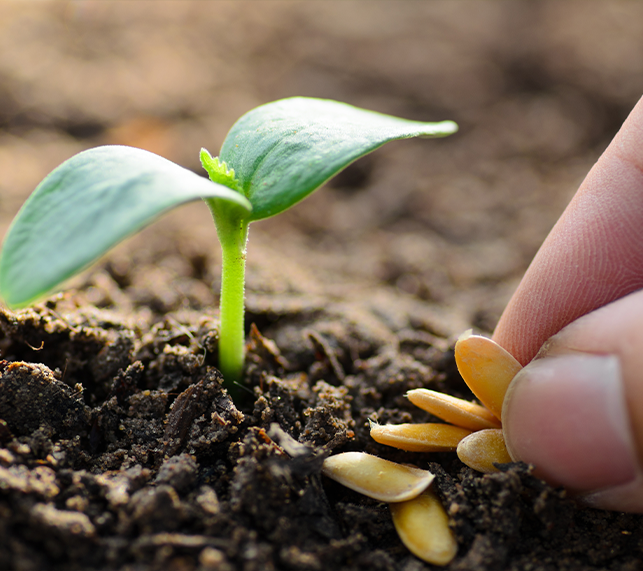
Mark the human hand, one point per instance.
(576, 410)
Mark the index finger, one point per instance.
(592, 256)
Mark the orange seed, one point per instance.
(430, 437)
(423, 526)
(481, 449)
(375, 477)
(487, 369)
(454, 410)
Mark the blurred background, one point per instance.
(538, 88)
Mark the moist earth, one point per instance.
(121, 449)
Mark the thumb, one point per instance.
(576, 411)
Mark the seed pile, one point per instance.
(474, 433)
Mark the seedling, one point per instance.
(273, 157)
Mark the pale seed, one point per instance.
(377, 478)
(454, 410)
(487, 369)
(430, 437)
(423, 527)
(481, 449)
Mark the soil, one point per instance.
(120, 448)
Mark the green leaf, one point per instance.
(218, 171)
(283, 151)
(87, 205)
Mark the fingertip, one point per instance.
(567, 416)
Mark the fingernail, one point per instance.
(567, 416)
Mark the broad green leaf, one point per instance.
(87, 205)
(283, 151)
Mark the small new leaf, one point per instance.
(218, 171)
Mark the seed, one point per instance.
(454, 410)
(377, 478)
(481, 449)
(431, 437)
(487, 368)
(423, 526)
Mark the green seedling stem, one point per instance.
(273, 157)
(233, 236)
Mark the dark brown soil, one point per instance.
(119, 448)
